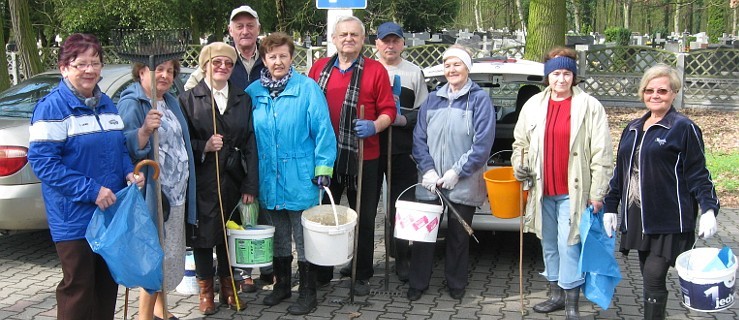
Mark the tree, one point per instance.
(4, 76)
(716, 20)
(427, 15)
(547, 25)
(25, 38)
(519, 10)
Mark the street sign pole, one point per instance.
(337, 9)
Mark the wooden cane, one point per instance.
(360, 164)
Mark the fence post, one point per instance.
(14, 67)
(680, 65)
(308, 59)
(582, 56)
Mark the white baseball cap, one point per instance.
(244, 9)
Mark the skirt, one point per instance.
(668, 246)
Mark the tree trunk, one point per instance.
(519, 8)
(281, 15)
(576, 16)
(627, 14)
(25, 38)
(478, 27)
(4, 76)
(547, 25)
(677, 18)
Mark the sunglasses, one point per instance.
(218, 63)
(661, 92)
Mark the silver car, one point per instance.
(21, 204)
(510, 83)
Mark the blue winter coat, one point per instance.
(295, 140)
(75, 150)
(133, 106)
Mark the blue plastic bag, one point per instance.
(597, 260)
(126, 237)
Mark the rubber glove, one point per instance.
(364, 128)
(707, 227)
(522, 173)
(429, 180)
(610, 220)
(449, 180)
(322, 181)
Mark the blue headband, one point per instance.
(560, 63)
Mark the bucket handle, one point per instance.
(705, 241)
(418, 184)
(496, 153)
(333, 204)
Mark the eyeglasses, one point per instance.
(84, 66)
(661, 92)
(218, 63)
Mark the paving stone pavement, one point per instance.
(29, 273)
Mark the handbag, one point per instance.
(236, 164)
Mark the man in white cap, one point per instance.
(390, 43)
(244, 29)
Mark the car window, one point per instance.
(174, 90)
(19, 100)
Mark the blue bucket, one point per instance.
(705, 291)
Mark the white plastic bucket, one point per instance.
(252, 247)
(189, 284)
(417, 221)
(705, 291)
(326, 243)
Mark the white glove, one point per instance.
(610, 220)
(429, 180)
(522, 173)
(707, 227)
(449, 180)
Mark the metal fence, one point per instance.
(612, 74)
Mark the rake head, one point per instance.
(150, 47)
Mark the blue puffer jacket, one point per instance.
(75, 150)
(134, 105)
(296, 142)
(455, 133)
(672, 173)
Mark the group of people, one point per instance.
(251, 128)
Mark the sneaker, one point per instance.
(414, 294)
(456, 293)
(361, 288)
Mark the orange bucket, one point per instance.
(503, 192)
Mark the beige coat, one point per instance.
(590, 162)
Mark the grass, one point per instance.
(724, 168)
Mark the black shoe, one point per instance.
(170, 318)
(346, 271)
(414, 294)
(267, 278)
(361, 288)
(321, 284)
(456, 293)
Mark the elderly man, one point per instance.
(412, 92)
(244, 29)
(349, 81)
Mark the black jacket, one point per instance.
(673, 175)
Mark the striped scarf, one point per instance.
(348, 143)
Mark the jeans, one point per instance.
(560, 259)
(287, 229)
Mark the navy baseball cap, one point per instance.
(389, 28)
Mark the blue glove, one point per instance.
(364, 128)
(322, 181)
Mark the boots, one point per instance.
(572, 298)
(282, 267)
(228, 295)
(207, 306)
(307, 298)
(654, 305)
(555, 302)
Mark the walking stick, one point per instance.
(153, 47)
(388, 207)
(220, 196)
(521, 204)
(360, 164)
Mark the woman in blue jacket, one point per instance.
(77, 150)
(296, 144)
(177, 175)
(451, 144)
(659, 183)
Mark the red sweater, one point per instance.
(557, 147)
(375, 93)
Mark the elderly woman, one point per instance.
(177, 175)
(77, 150)
(290, 111)
(660, 175)
(563, 149)
(451, 143)
(234, 134)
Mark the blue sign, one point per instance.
(341, 4)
